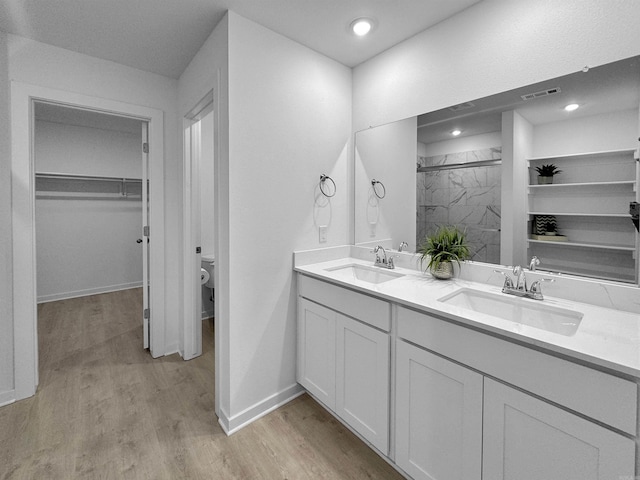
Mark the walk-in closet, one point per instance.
(88, 177)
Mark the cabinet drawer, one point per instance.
(606, 398)
(367, 309)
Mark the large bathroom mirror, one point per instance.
(475, 165)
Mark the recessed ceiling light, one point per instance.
(571, 107)
(455, 133)
(361, 26)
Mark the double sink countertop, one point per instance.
(605, 337)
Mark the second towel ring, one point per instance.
(322, 186)
(379, 194)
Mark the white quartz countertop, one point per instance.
(605, 337)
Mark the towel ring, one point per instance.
(322, 186)
(376, 189)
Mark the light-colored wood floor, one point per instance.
(106, 410)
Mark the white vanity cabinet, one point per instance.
(316, 368)
(362, 380)
(454, 422)
(444, 400)
(344, 355)
(438, 416)
(528, 439)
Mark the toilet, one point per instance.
(207, 262)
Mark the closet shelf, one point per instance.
(87, 187)
(71, 176)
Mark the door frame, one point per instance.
(192, 156)
(25, 315)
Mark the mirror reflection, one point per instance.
(476, 165)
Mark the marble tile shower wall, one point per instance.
(467, 197)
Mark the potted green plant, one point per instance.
(546, 173)
(448, 244)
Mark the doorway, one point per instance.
(90, 205)
(199, 217)
(23, 99)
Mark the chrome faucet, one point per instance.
(521, 278)
(519, 286)
(383, 262)
(535, 261)
(402, 246)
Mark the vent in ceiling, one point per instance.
(462, 106)
(543, 93)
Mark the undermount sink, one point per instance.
(364, 273)
(533, 313)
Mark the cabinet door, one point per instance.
(316, 369)
(362, 380)
(438, 416)
(529, 439)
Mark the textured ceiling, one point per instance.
(162, 36)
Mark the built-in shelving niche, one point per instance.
(590, 202)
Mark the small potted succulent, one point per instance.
(448, 244)
(546, 173)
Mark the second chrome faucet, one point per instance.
(383, 261)
(518, 287)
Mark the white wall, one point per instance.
(464, 144)
(586, 134)
(289, 122)
(6, 267)
(516, 148)
(207, 72)
(493, 46)
(282, 118)
(87, 246)
(388, 154)
(61, 148)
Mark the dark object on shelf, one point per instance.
(548, 170)
(541, 222)
(634, 211)
(546, 173)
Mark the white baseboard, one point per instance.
(172, 348)
(260, 409)
(7, 398)
(89, 291)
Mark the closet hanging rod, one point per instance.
(72, 176)
(452, 166)
(85, 196)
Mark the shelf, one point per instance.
(86, 187)
(602, 242)
(585, 155)
(558, 186)
(602, 246)
(71, 176)
(590, 274)
(576, 214)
